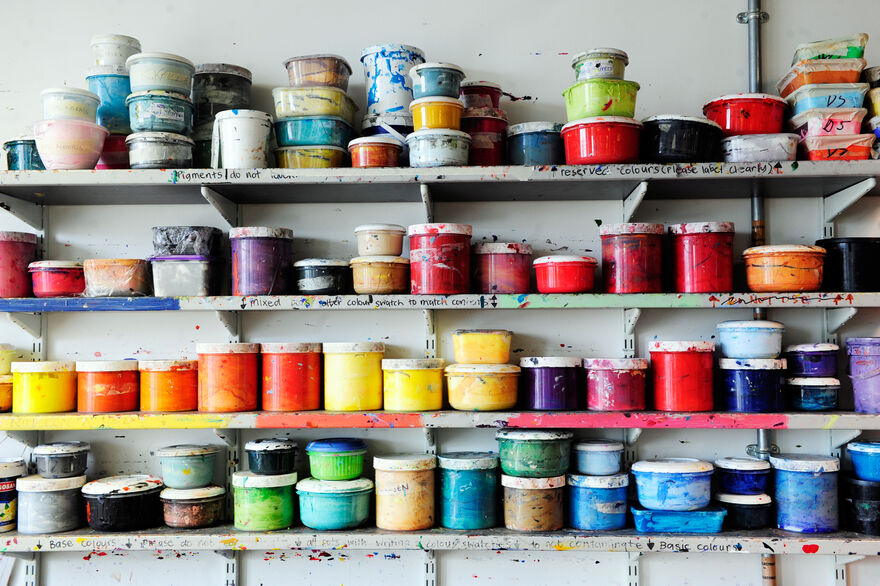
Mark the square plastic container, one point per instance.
(827, 95)
(182, 276)
(708, 520)
(820, 71)
(838, 148)
(828, 122)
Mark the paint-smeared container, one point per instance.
(481, 94)
(111, 49)
(752, 385)
(185, 240)
(181, 276)
(291, 376)
(436, 112)
(481, 346)
(322, 70)
(861, 515)
(271, 456)
(742, 475)
(405, 491)
(313, 130)
(865, 458)
(792, 267)
(291, 102)
(263, 503)
(49, 505)
(872, 76)
(820, 71)
(43, 387)
(601, 97)
(670, 138)
(436, 79)
(334, 505)
(10, 470)
(482, 387)
(565, 274)
(502, 267)
(228, 379)
(186, 466)
(5, 397)
(261, 260)
(17, 252)
(812, 360)
(673, 484)
(193, 508)
(353, 376)
(111, 84)
(69, 144)
(828, 122)
(322, 276)
(413, 384)
(848, 47)
(763, 148)
(217, 87)
(551, 383)
(706, 520)
(438, 147)
(534, 454)
(533, 504)
(375, 151)
(311, 157)
(747, 113)
(812, 394)
(535, 143)
(337, 458)
(114, 154)
(380, 239)
(107, 386)
(683, 379)
(159, 150)
(22, 155)
(838, 148)
(597, 503)
(827, 95)
(400, 122)
(123, 503)
(864, 372)
(468, 490)
(69, 103)
(160, 111)
(160, 71)
(169, 385)
(385, 72)
(57, 278)
(598, 457)
(750, 339)
(616, 384)
(440, 260)
(61, 459)
(702, 257)
(116, 277)
(806, 492)
(632, 257)
(8, 353)
(604, 62)
(487, 128)
(240, 139)
(601, 140)
(849, 264)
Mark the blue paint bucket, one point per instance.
(826, 95)
(812, 394)
(436, 79)
(673, 484)
(160, 111)
(806, 492)
(746, 511)
(22, 155)
(742, 475)
(385, 72)
(329, 505)
(866, 459)
(815, 360)
(752, 386)
(313, 131)
(707, 520)
(111, 84)
(750, 339)
(535, 143)
(468, 490)
(187, 466)
(597, 503)
(598, 457)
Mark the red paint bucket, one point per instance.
(502, 267)
(488, 130)
(480, 94)
(702, 257)
(616, 384)
(57, 278)
(632, 257)
(565, 274)
(682, 375)
(601, 140)
(107, 386)
(747, 113)
(440, 258)
(291, 377)
(17, 251)
(114, 154)
(856, 147)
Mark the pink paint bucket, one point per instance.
(17, 251)
(616, 384)
(864, 372)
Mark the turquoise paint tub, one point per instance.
(826, 95)
(111, 84)
(707, 520)
(313, 131)
(436, 79)
(187, 466)
(160, 111)
(332, 505)
(601, 97)
(468, 490)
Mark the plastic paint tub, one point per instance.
(114, 154)
(110, 49)
(331, 506)
(616, 384)
(864, 372)
(793, 267)
(49, 505)
(318, 70)
(440, 260)
(291, 376)
(107, 386)
(746, 512)
(43, 387)
(597, 503)
(57, 278)
(874, 99)
(240, 139)
(69, 144)
(671, 138)
(535, 143)
(405, 492)
(375, 151)
(17, 252)
(598, 457)
(436, 79)
(806, 492)
(160, 71)
(159, 150)
(752, 385)
(169, 385)
(759, 148)
(187, 466)
(812, 360)
(502, 267)
(673, 484)
(742, 475)
(865, 458)
(353, 376)
(193, 508)
(468, 490)
(385, 76)
(438, 147)
(61, 459)
(112, 86)
(872, 76)
(839, 148)
(400, 122)
(750, 338)
(338, 458)
(185, 240)
(123, 503)
(7, 354)
(812, 394)
(436, 112)
(263, 503)
(603, 63)
(487, 128)
(182, 276)
(322, 276)
(565, 274)
(292, 102)
(311, 157)
(820, 71)
(481, 94)
(828, 122)
(601, 140)
(534, 454)
(533, 504)
(217, 87)
(632, 257)
(380, 239)
(747, 113)
(702, 257)
(551, 383)
(271, 456)
(682, 376)
(22, 155)
(116, 277)
(413, 385)
(69, 103)
(481, 346)
(482, 387)
(827, 95)
(380, 275)
(228, 379)
(707, 520)
(5, 403)
(261, 260)
(848, 47)
(313, 130)
(10, 470)
(600, 97)
(849, 264)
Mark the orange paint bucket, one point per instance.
(228, 379)
(169, 385)
(794, 267)
(291, 377)
(107, 386)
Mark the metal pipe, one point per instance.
(754, 16)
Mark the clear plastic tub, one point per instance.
(181, 276)
(763, 148)
(116, 277)
(318, 70)
(827, 95)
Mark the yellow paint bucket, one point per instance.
(482, 387)
(43, 387)
(413, 385)
(481, 346)
(7, 355)
(436, 112)
(5, 392)
(353, 376)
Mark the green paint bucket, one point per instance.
(336, 458)
(263, 503)
(601, 97)
(534, 454)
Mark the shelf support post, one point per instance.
(232, 566)
(633, 200)
(632, 568)
(29, 213)
(232, 439)
(835, 204)
(630, 319)
(834, 319)
(430, 568)
(227, 209)
(427, 202)
(840, 568)
(631, 445)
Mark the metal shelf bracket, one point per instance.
(430, 568)
(840, 437)
(31, 561)
(29, 213)
(227, 209)
(752, 450)
(633, 200)
(630, 319)
(631, 444)
(232, 566)
(28, 438)
(430, 333)
(840, 567)
(835, 204)
(229, 321)
(430, 440)
(30, 323)
(834, 319)
(632, 568)
(427, 202)
(745, 17)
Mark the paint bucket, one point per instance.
(683, 379)
(69, 103)
(291, 376)
(598, 457)
(872, 76)
(793, 267)
(482, 387)
(107, 386)
(806, 492)
(69, 144)
(487, 128)
(375, 151)
(820, 71)
(436, 112)
(597, 503)
(193, 508)
(468, 490)
(385, 76)
(217, 87)
(263, 503)
(413, 385)
(241, 140)
(742, 475)
(271, 456)
(159, 150)
(17, 251)
(849, 264)
(481, 94)
(123, 503)
(534, 454)
(43, 387)
(116, 277)
(49, 505)
(160, 71)
(864, 372)
(601, 140)
(169, 385)
(605, 63)
(551, 383)
(228, 379)
(750, 339)
(848, 47)
(183, 276)
(707, 520)
(338, 458)
(380, 239)
(187, 466)
(746, 511)
(438, 147)
(110, 49)
(481, 346)
(334, 505)
(533, 504)
(436, 79)
(752, 385)
(702, 257)
(632, 257)
(318, 70)
(827, 95)
(616, 384)
(186, 240)
(812, 394)
(202, 151)
(601, 97)
(112, 86)
(673, 484)
(865, 458)
(114, 154)
(10, 470)
(405, 491)
(828, 122)
(160, 111)
(838, 148)
(5, 393)
(313, 130)
(502, 267)
(747, 113)
(399, 122)
(535, 143)
(353, 376)
(261, 260)
(670, 138)
(440, 260)
(311, 157)
(565, 274)
(759, 148)
(812, 360)
(322, 276)
(22, 155)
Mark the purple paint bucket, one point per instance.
(864, 372)
(819, 360)
(551, 383)
(261, 260)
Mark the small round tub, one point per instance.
(123, 503)
(482, 387)
(759, 148)
(338, 458)
(864, 373)
(683, 378)
(597, 503)
(218, 87)
(746, 511)
(533, 504)
(436, 79)
(159, 150)
(318, 70)
(380, 150)
(632, 257)
(601, 140)
(49, 505)
(311, 157)
(263, 503)
(313, 130)
(380, 239)
(784, 268)
(601, 97)
(438, 147)
(598, 457)
(702, 257)
(865, 458)
(812, 394)
(111, 84)
(670, 138)
(616, 384)
(673, 484)
(334, 505)
(535, 143)
(552, 383)
(481, 346)
(405, 491)
(114, 155)
(295, 102)
(604, 62)
(468, 490)
(260, 260)
(193, 508)
(413, 385)
(813, 360)
(565, 274)
(69, 103)
(806, 492)
(169, 385)
(750, 339)
(322, 276)
(440, 260)
(849, 264)
(187, 466)
(271, 456)
(436, 112)
(160, 71)
(353, 376)
(534, 454)
(69, 144)
(742, 475)
(480, 94)
(752, 385)
(57, 278)
(43, 387)
(61, 459)
(502, 267)
(110, 49)
(160, 111)
(107, 386)
(22, 155)
(487, 128)
(747, 113)
(380, 275)
(291, 378)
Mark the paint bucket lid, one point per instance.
(26, 237)
(353, 347)
(747, 96)
(192, 494)
(501, 248)
(864, 447)
(599, 120)
(392, 260)
(290, 347)
(321, 262)
(661, 118)
(808, 348)
(5, 379)
(249, 114)
(106, 365)
(118, 70)
(742, 464)
(36, 483)
(743, 499)
(393, 228)
(261, 232)
(393, 47)
(527, 127)
(863, 346)
(813, 382)
(335, 445)
(61, 448)
(228, 348)
(600, 52)
(532, 483)
(468, 460)
(598, 445)
(49, 366)
(532, 435)
(12, 467)
(414, 364)
(563, 259)
(375, 139)
(28, 138)
(270, 444)
(122, 486)
(157, 94)
(436, 99)
(702, 228)
(163, 137)
(673, 466)
(313, 485)
(435, 65)
(752, 364)
(611, 481)
(54, 264)
(630, 228)
(783, 249)
(805, 463)
(428, 133)
(482, 332)
(73, 91)
(181, 450)
(841, 114)
(754, 324)
(485, 112)
(144, 56)
(433, 229)
(115, 39)
(686, 346)
(480, 83)
(182, 257)
(482, 369)
(251, 480)
(167, 365)
(339, 58)
(224, 68)
(550, 362)
(616, 363)
(405, 462)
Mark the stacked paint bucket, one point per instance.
(600, 107)
(751, 124)
(597, 494)
(751, 379)
(485, 122)
(335, 496)
(263, 496)
(806, 492)
(742, 491)
(482, 379)
(49, 501)
(108, 78)
(861, 489)
(216, 87)
(812, 383)
(864, 372)
(315, 113)
(189, 498)
(675, 493)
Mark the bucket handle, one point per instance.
(215, 146)
(393, 132)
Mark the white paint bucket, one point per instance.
(386, 69)
(241, 140)
(110, 49)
